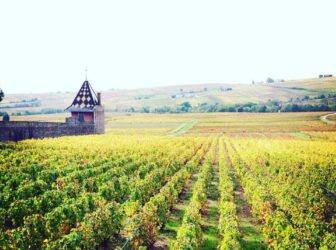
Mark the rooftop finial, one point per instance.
(86, 73)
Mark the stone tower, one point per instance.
(87, 108)
(99, 117)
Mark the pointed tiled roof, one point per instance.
(85, 100)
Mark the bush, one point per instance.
(2, 95)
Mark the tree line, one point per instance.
(249, 107)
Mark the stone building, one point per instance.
(87, 108)
(87, 117)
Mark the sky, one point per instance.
(46, 45)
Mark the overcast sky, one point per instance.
(46, 45)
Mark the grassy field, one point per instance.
(332, 117)
(322, 84)
(244, 123)
(40, 118)
(272, 125)
(231, 124)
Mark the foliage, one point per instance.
(44, 111)
(82, 192)
(143, 225)
(290, 187)
(269, 107)
(189, 235)
(269, 80)
(228, 220)
(54, 194)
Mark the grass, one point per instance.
(319, 84)
(250, 228)
(42, 118)
(329, 119)
(267, 125)
(217, 123)
(210, 223)
(210, 220)
(301, 135)
(321, 135)
(169, 232)
(183, 128)
(252, 238)
(332, 117)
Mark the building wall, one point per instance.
(99, 119)
(74, 115)
(88, 116)
(17, 131)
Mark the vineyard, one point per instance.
(160, 192)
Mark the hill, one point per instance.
(305, 91)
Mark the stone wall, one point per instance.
(99, 120)
(17, 131)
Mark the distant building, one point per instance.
(325, 76)
(86, 107)
(87, 117)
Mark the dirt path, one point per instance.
(170, 230)
(210, 219)
(251, 229)
(184, 128)
(326, 120)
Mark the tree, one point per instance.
(2, 95)
(262, 109)
(269, 80)
(144, 110)
(185, 107)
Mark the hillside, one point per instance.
(121, 100)
(316, 84)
